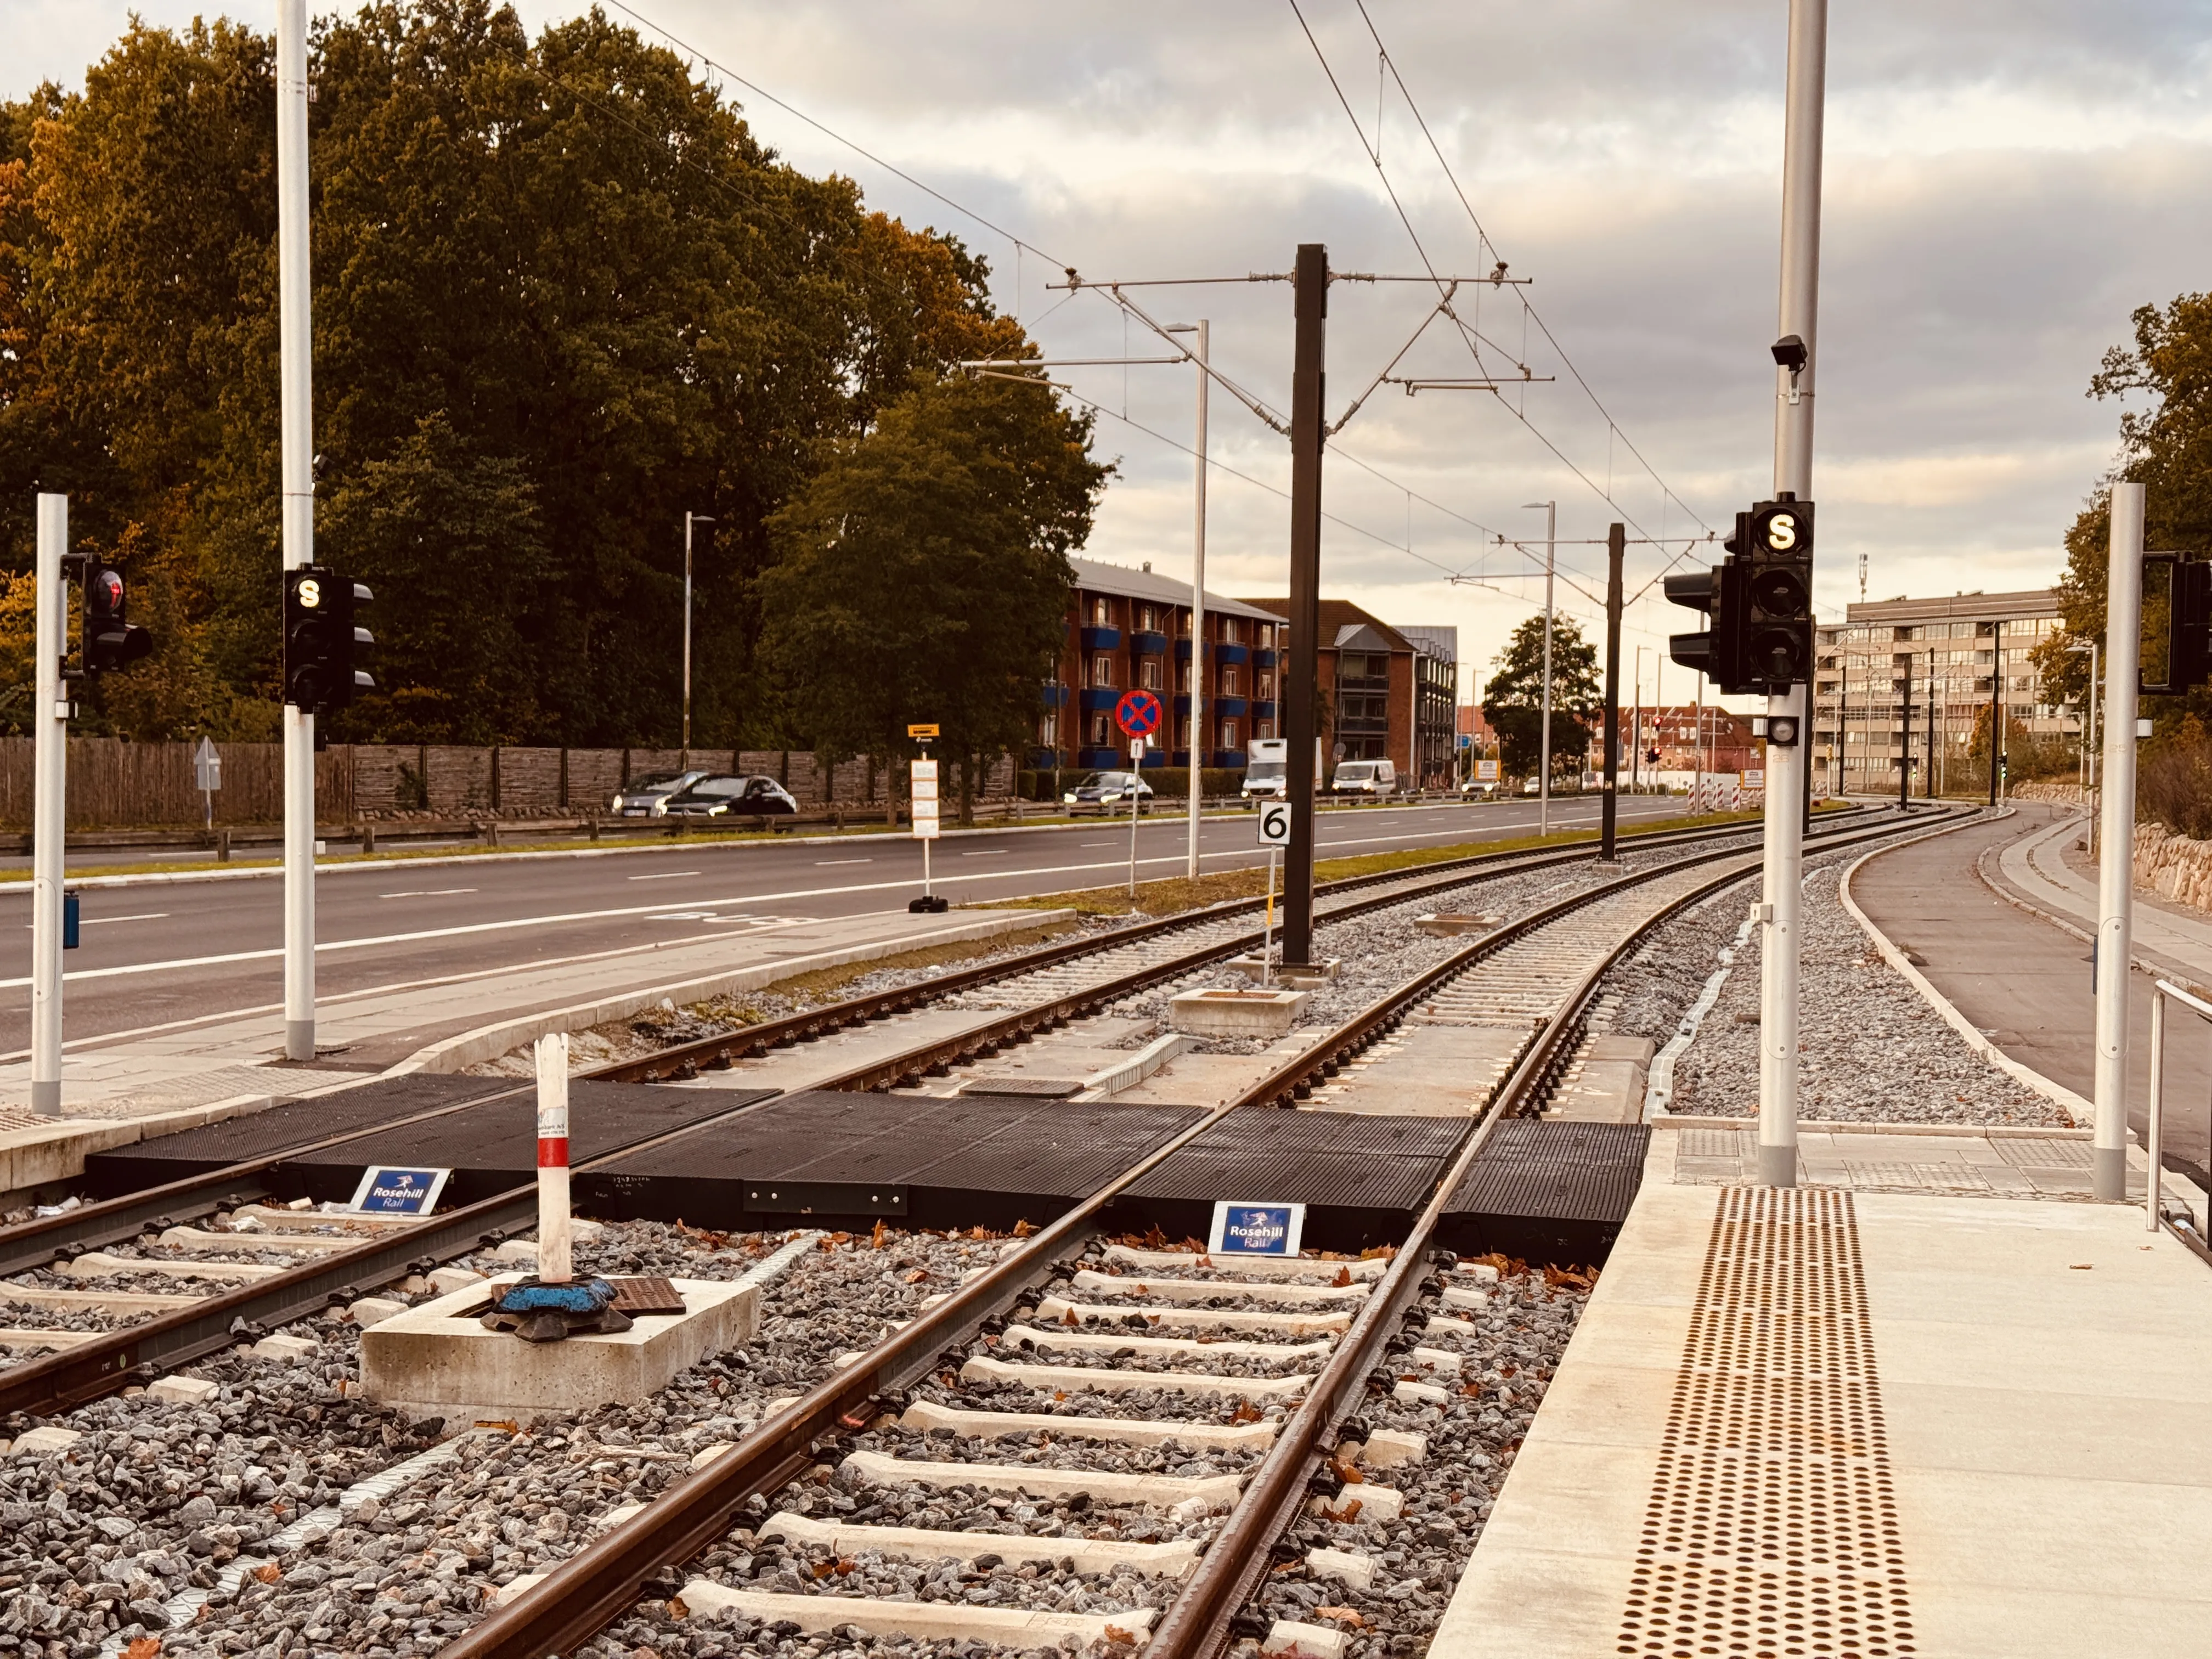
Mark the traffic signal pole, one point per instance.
(1783, 888)
(2113, 950)
(49, 726)
(295, 382)
(1298, 688)
(1616, 546)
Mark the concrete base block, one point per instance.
(1451, 924)
(1291, 1636)
(1235, 1013)
(432, 1361)
(295, 1350)
(44, 1439)
(453, 1278)
(375, 1310)
(1298, 976)
(187, 1390)
(921, 1621)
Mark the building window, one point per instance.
(1229, 689)
(1148, 676)
(1183, 735)
(1101, 733)
(1228, 741)
(1232, 630)
(1048, 735)
(1182, 684)
(1099, 616)
(1265, 689)
(1102, 670)
(1148, 620)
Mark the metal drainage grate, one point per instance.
(1771, 1529)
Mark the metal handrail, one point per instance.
(2163, 991)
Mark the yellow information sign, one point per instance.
(920, 732)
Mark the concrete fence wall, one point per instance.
(2173, 867)
(117, 785)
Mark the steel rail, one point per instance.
(753, 1042)
(587, 1592)
(89, 1370)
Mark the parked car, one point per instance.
(1101, 792)
(647, 797)
(1377, 777)
(727, 795)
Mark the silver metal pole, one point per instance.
(2155, 1125)
(296, 381)
(1635, 728)
(50, 724)
(687, 640)
(2116, 859)
(1799, 314)
(1198, 614)
(1544, 751)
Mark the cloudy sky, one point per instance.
(2004, 183)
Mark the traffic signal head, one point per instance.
(110, 640)
(1777, 543)
(1717, 651)
(324, 646)
(2188, 625)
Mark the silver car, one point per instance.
(648, 797)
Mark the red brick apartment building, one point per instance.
(1386, 694)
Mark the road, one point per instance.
(159, 952)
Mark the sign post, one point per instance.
(924, 795)
(1138, 714)
(554, 1258)
(1274, 835)
(207, 775)
(50, 712)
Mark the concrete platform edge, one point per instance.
(34, 1158)
(473, 1048)
(2076, 1107)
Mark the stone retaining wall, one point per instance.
(2173, 867)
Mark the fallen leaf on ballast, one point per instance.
(917, 1275)
(678, 1608)
(1022, 1229)
(267, 1573)
(875, 1239)
(1342, 1615)
(146, 1647)
(1244, 1412)
(1343, 1279)
(1069, 1319)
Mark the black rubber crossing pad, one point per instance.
(1548, 1191)
(1361, 1177)
(493, 1147)
(259, 1134)
(1034, 1088)
(843, 1159)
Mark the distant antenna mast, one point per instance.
(1862, 577)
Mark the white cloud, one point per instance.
(2000, 191)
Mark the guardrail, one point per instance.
(2164, 991)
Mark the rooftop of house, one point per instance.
(1118, 581)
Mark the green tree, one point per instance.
(2167, 446)
(923, 574)
(561, 296)
(1513, 700)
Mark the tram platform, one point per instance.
(1874, 1417)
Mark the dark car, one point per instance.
(1103, 792)
(645, 796)
(726, 795)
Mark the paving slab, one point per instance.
(1829, 1422)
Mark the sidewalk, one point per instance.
(1829, 1422)
(121, 1085)
(2046, 869)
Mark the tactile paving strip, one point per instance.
(1771, 1529)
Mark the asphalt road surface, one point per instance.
(161, 950)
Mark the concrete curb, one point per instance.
(2078, 1110)
(2165, 968)
(473, 1048)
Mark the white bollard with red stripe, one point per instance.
(553, 1232)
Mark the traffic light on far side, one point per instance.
(111, 639)
(1777, 548)
(2188, 625)
(324, 646)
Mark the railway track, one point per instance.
(1024, 1395)
(199, 1290)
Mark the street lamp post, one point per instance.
(690, 518)
(1544, 740)
(2089, 737)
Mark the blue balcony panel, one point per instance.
(1227, 757)
(1237, 654)
(1100, 639)
(1098, 696)
(1043, 760)
(1100, 760)
(1148, 645)
(1182, 650)
(1234, 707)
(1183, 707)
(1159, 758)
(1054, 696)
(1263, 708)
(1263, 657)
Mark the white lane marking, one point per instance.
(823, 864)
(95, 921)
(570, 918)
(663, 875)
(1001, 851)
(428, 892)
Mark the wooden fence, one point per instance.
(118, 785)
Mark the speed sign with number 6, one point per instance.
(1276, 824)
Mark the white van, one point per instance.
(1267, 769)
(1375, 777)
